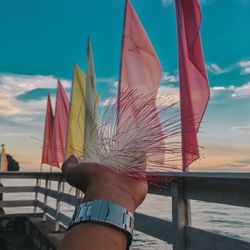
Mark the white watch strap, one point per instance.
(105, 212)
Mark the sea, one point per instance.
(227, 220)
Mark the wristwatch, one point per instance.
(105, 212)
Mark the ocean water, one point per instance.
(227, 220)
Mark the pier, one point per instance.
(49, 226)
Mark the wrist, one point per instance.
(116, 195)
(107, 214)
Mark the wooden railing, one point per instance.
(222, 188)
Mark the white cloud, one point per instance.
(110, 80)
(217, 70)
(245, 130)
(169, 78)
(241, 91)
(14, 85)
(216, 90)
(235, 91)
(108, 102)
(245, 67)
(167, 93)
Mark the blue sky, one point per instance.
(40, 41)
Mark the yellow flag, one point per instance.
(75, 134)
(4, 160)
(92, 101)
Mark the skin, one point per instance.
(99, 183)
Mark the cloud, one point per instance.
(36, 94)
(245, 67)
(166, 77)
(108, 102)
(240, 164)
(217, 70)
(13, 86)
(242, 91)
(18, 84)
(245, 130)
(110, 80)
(167, 3)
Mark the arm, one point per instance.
(100, 183)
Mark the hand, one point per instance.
(98, 182)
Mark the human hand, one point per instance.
(98, 182)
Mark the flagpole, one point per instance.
(187, 203)
(120, 70)
(50, 170)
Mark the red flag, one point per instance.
(60, 124)
(140, 71)
(194, 89)
(48, 135)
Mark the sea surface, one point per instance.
(227, 220)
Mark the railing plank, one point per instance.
(17, 203)
(200, 239)
(158, 228)
(49, 210)
(21, 189)
(66, 198)
(224, 191)
(64, 219)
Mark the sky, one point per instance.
(41, 40)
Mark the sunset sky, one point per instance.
(41, 40)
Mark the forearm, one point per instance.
(92, 236)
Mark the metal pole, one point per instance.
(120, 70)
(77, 196)
(178, 217)
(36, 194)
(59, 188)
(50, 179)
(45, 199)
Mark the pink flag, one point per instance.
(60, 125)
(194, 89)
(48, 135)
(140, 66)
(140, 71)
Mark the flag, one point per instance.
(75, 134)
(92, 100)
(140, 66)
(140, 71)
(194, 89)
(60, 125)
(48, 136)
(4, 160)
